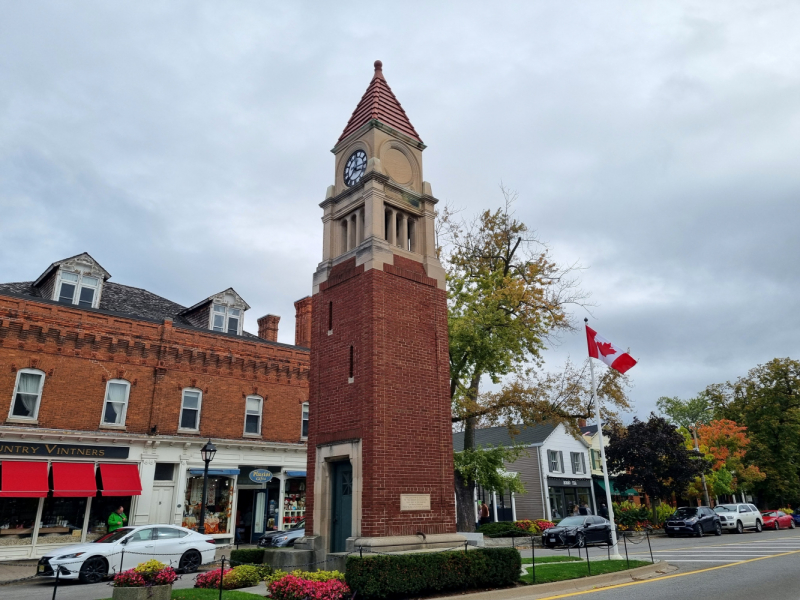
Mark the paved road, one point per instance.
(734, 567)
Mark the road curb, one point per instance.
(531, 592)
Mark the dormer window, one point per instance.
(226, 319)
(77, 288)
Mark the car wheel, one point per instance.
(580, 540)
(739, 527)
(93, 570)
(190, 561)
(717, 529)
(759, 527)
(777, 525)
(791, 524)
(698, 530)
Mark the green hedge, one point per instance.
(498, 529)
(404, 575)
(249, 556)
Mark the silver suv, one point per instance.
(738, 517)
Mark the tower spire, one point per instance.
(379, 104)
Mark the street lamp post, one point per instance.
(207, 452)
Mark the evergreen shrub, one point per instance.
(498, 529)
(403, 575)
(249, 556)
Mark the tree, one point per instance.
(767, 403)
(506, 299)
(652, 455)
(486, 467)
(689, 414)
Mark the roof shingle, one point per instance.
(499, 436)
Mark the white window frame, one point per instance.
(559, 457)
(303, 419)
(35, 417)
(121, 424)
(79, 285)
(260, 415)
(578, 463)
(198, 409)
(227, 315)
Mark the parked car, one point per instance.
(278, 539)
(694, 521)
(179, 547)
(777, 519)
(796, 516)
(738, 517)
(578, 531)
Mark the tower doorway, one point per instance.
(341, 504)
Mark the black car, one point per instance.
(694, 521)
(578, 531)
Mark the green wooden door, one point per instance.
(341, 504)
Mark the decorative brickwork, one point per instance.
(302, 322)
(398, 403)
(80, 350)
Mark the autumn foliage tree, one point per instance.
(507, 298)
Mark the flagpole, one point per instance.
(615, 555)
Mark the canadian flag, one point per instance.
(601, 348)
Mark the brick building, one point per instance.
(380, 458)
(108, 393)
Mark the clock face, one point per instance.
(355, 167)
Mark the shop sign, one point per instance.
(261, 475)
(62, 450)
(557, 481)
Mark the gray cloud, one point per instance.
(185, 146)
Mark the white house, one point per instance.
(555, 470)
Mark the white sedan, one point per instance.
(127, 547)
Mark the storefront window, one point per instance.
(557, 511)
(294, 502)
(17, 517)
(62, 520)
(218, 510)
(585, 497)
(102, 507)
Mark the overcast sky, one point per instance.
(185, 145)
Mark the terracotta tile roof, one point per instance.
(380, 103)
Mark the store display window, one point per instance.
(17, 518)
(218, 509)
(101, 509)
(294, 502)
(62, 520)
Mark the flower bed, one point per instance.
(146, 574)
(291, 587)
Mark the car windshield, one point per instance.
(685, 512)
(300, 525)
(571, 522)
(114, 536)
(725, 508)
(770, 513)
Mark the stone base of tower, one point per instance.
(406, 543)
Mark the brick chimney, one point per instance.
(268, 327)
(302, 322)
(581, 422)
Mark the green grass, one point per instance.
(540, 560)
(574, 570)
(204, 594)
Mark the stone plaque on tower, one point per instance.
(380, 454)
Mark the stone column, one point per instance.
(412, 234)
(403, 241)
(347, 234)
(392, 233)
(359, 226)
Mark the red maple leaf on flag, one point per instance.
(605, 348)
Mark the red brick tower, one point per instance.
(380, 457)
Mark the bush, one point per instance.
(499, 529)
(210, 579)
(148, 573)
(404, 575)
(628, 515)
(250, 556)
(295, 588)
(276, 575)
(235, 578)
(533, 527)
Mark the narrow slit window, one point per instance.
(351, 363)
(304, 430)
(330, 316)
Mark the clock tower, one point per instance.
(380, 454)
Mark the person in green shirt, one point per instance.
(116, 519)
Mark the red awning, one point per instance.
(120, 480)
(73, 480)
(24, 479)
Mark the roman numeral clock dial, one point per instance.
(355, 168)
